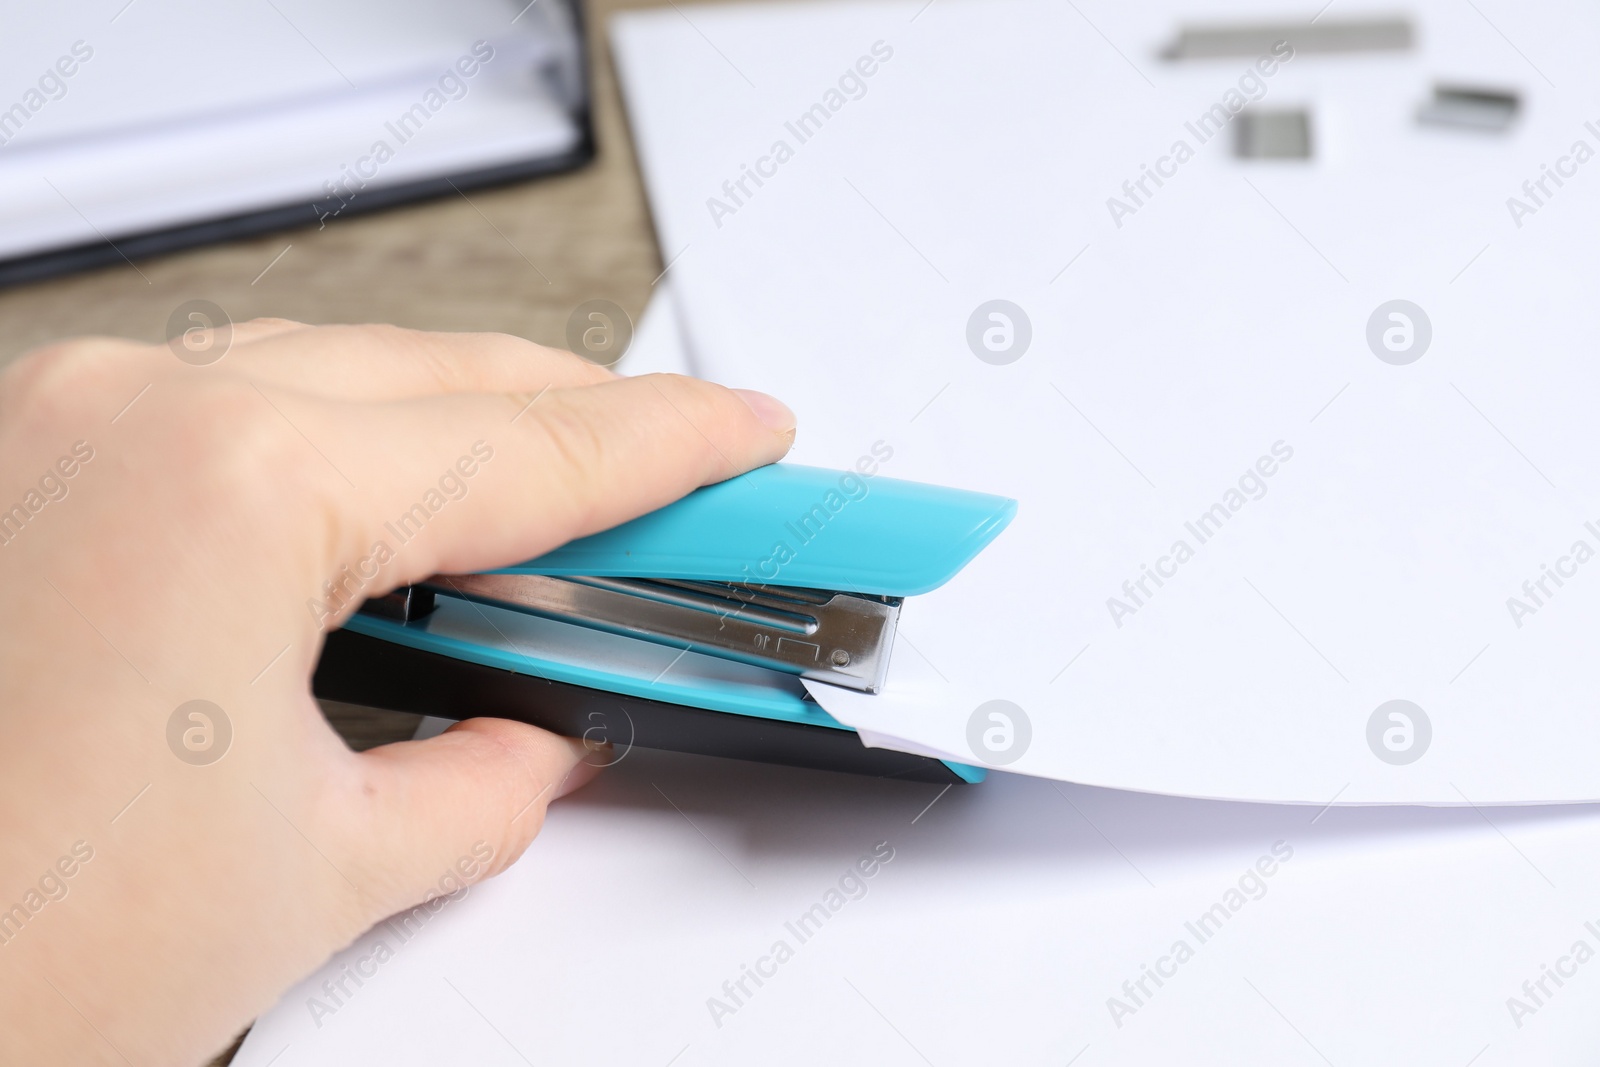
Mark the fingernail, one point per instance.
(773, 413)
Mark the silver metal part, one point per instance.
(1272, 135)
(1493, 110)
(840, 638)
(1250, 40)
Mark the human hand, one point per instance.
(177, 528)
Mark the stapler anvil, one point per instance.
(687, 629)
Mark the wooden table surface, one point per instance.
(464, 263)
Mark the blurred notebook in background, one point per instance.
(129, 129)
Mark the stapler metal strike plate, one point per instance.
(687, 629)
(839, 638)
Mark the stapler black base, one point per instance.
(369, 671)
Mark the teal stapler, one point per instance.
(690, 628)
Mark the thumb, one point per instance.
(454, 809)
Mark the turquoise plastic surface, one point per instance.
(789, 525)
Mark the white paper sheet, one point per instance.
(1219, 333)
(1002, 930)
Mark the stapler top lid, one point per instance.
(794, 569)
(794, 526)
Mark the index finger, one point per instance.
(472, 482)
